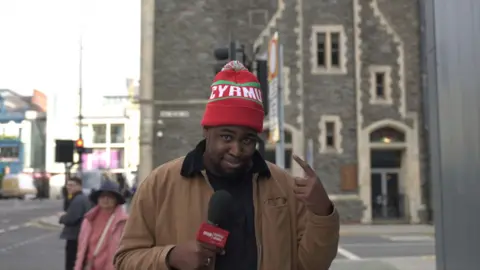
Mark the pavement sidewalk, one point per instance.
(406, 263)
(386, 229)
(49, 221)
(398, 263)
(344, 229)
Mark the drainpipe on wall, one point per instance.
(426, 189)
(146, 94)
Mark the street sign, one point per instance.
(174, 114)
(273, 67)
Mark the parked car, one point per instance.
(18, 186)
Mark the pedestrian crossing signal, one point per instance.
(79, 143)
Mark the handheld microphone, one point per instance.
(218, 208)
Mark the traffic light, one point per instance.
(242, 55)
(262, 75)
(222, 55)
(234, 52)
(80, 146)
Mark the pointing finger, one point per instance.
(306, 168)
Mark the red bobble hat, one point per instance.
(236, 99)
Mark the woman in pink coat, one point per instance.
(101, 229)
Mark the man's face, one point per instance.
(73, 187)
(230, 148)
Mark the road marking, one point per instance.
(408, 238)
(429, 258)
(347, 254)
(26, 242)
(14, 228)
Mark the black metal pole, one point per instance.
(64, 189)
(80, 103)
(233, 50)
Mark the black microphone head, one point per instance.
(219, 206)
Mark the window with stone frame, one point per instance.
(330, 137)
(380, 85)
(328, 49)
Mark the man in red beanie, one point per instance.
(276, 222)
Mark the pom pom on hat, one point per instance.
(234, 65)
(235, 100)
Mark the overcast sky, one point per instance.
(39, 45)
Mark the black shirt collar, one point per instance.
(193, 162)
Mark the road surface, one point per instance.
(391, 248)
(24, 245)
(29, 241)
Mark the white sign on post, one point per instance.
(273, 67)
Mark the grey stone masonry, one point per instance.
(186, 33)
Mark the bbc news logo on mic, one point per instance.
(212, 235)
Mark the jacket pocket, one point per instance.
(276, 234)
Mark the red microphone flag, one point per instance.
(213, 235)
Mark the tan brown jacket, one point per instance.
(168, 209)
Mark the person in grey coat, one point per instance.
(72, 219)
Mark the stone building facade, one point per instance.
(352, 86)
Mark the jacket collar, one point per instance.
(193, 162)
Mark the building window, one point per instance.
(380, 85)
(321, 62)
(387, 135)
(330, 134)
(9, 153)
(99, 133)
(117, 133)
(328, 49)
(335, 50)
(330, 138)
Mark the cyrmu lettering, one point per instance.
(220, 91)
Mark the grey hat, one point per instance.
(110, 187)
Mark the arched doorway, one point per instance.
(293, 145)
(270, 149)
(387, 190)
(389, 172)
